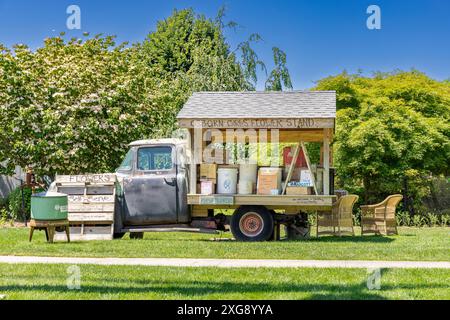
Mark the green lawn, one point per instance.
(412, 244)
(30, 281)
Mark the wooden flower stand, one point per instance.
(50, 227)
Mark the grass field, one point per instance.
(430, 244)
(33, 281)
(29, 281)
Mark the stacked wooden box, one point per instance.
(91, 205)
(208, 178)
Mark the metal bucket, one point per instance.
(49, 206)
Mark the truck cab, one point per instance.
(152, 185)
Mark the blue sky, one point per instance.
(320, 37)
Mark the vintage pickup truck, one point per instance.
(152, 195)
(155, 187)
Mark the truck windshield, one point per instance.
(154, 158)
(126, 163)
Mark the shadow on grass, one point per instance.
(203, 289)
(322, 239)
(197, 290)
(355, 239)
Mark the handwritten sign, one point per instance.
(91, 198)
(300, 123)
(305, 178)
(104, 178)
(217, 200)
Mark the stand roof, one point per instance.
(311, 109)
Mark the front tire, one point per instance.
(252, 223)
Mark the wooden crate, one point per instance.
(297, 190)
(91, 205)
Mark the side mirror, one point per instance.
(181, 158)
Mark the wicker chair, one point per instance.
(341, 216)
(380, 218)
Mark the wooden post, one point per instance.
(31, 233)
(291, 168)
(326, 161)
(308, 163)
(192, 164)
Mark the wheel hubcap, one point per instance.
(251, 224)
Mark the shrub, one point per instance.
(3, 216)
(418, 220)
(445, 220)
(357, 217)
(403, 218)
(312, 219)
(433, 219)
(15, 203)
(3, 203)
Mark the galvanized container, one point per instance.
(49, 206)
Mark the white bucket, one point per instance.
(245, 187)
(248, 172)
(227, 180)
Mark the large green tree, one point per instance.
(391, 128)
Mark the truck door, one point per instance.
(150, 194)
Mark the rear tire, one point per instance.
(252, 223)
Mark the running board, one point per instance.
(171, 229)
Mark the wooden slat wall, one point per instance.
(91, 205)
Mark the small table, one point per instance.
(50, 227)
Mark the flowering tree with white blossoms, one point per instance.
(69, 107)
(72, 106)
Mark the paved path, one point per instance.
(228, 263)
